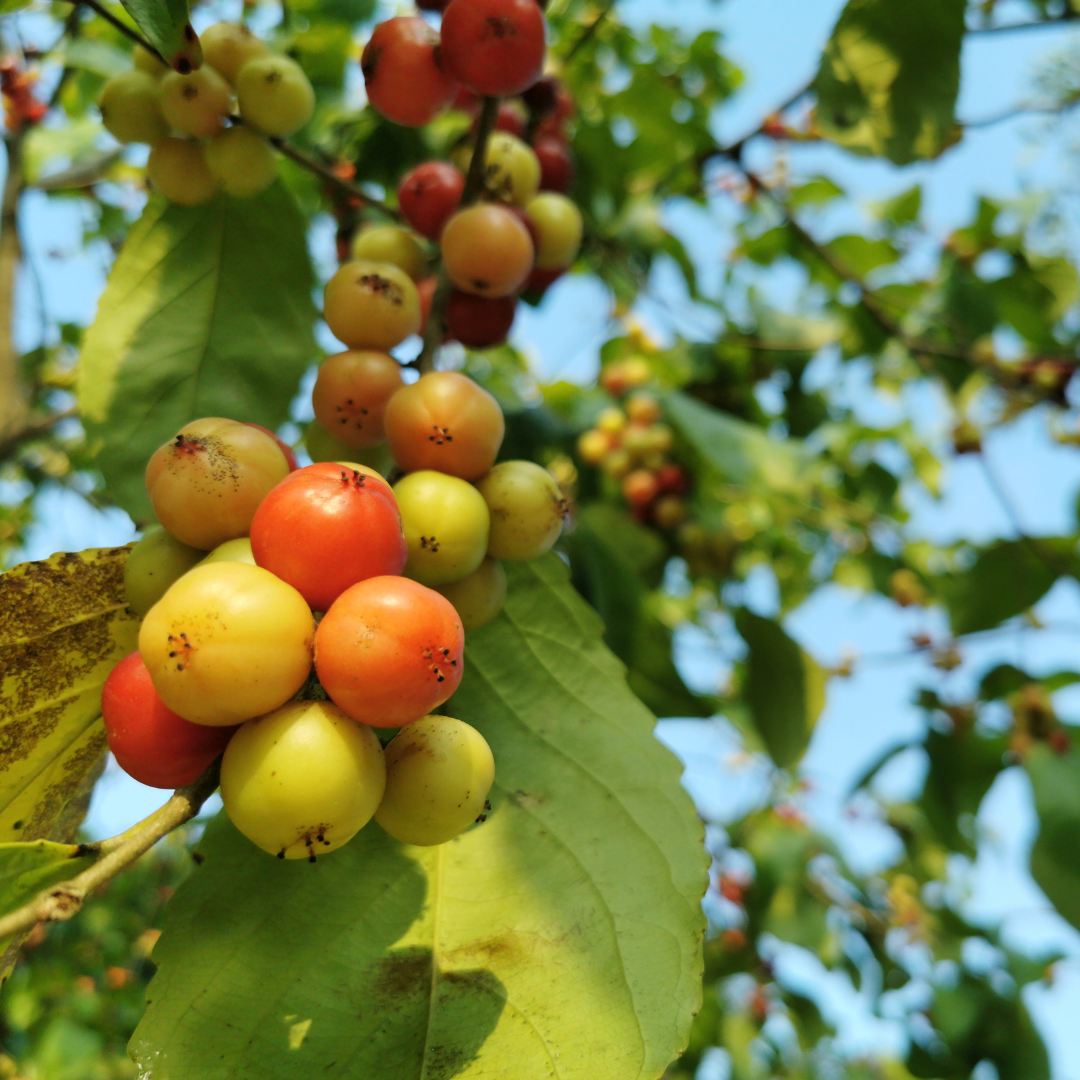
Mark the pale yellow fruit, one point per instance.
(178, 169)
(370, 305)
(196, 103)
(512, 168)
(559, 228)
(439, 772)
(274, 95)
(130, 105)
(238, 550)
(227, 47)
(390, 244)
(527, 510)
(303, 780)
(153, 564)
(242, 162)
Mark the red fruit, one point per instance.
(404, 74)
(150, 742)
(640, 488)
(389, 651)
(426, 291)
(326, 527)
(508, 119)
(478, 322)
(429, 195)
(556, 164)
(494, 47)
(541, 280)
(466, 100)
(672, 479)
(285, 448)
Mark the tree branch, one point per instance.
(62, 901)
(586, 35)
(120, 25)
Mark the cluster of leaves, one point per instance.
(785, 474)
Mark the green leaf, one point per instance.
(166, 26)
(208, 312)
(889, 78)
(27, 869)
(1055, 858)
(785, 688)
(1008, 578)
(563, 935)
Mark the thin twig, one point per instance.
(1017, 112)
(122, 26)
(62, 901)
(474, 187)
(586, 34)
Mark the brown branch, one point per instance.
(62, 901)
(474, 188)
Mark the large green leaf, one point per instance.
(889, 77)
(785, 688)
(1055, 857)
(560, 939)
(208, 312)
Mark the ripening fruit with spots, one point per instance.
(439, 772)
(206, 482)
(197, 103)
(228, 641)
(351, 394)
(429, 195)
(446, 422)
(487, 250)
(446, 523)
(527, 510)
(241, 161)
(494, 47)
(152, 565)
(227, 47)
(389, 651)
(479, 597)
(559, 226)
(303, 780)
(511, 168)
(150, 742)
(178, 169)
(130, 105)
(404, 74)
(370, 305)
(274, 95)
(390, 244)
(325, 528)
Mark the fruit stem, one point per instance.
(474, 188)
(61, 902)
(123, 27)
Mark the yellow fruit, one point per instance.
(371, 305)
(196, 103)
(178, 169)
(241, 161)
(130, 105)
(274, 95)
(227, 48)
(559, 225)
(390, 244)
(527, 510)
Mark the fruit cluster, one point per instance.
(631, 446)
(263, 571)
(196, 150)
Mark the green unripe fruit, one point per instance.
(322, 446)
(130, 105)
(390, 244)
(274, 95)
(559, 227)
(527, 510)
(149, 64)
(479, 597)
(196, 103)
(232, 551)
(302, 780)
(446, 523)
(512, 167)
(242, 162)
(153, 564)
(178, 169)
(227, 48)
(439, 772)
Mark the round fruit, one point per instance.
(227, 642)
(232, 551)
(178, 169)
(389, 651)
(153, 564)
(206, 483)
(228, 47)
(478, 322)
(556, 164)
(196, 104)
(351, 394)
(511, 169)
(390, 244)
(283, 446)
(148, 63)
(429, 195)
(446, 523)
(370, 305)
(150, 742)
(487, 250)
(527, 510)
(130, 105)
(274, 95)
(303, 780)
(640, 488)
(540, 281)
(446, 422)
(479, 597)
(593, 445)
(327, 527)
(404, 74)
(494, 47)
(241, 161)
(558, 221)
(438, 775)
